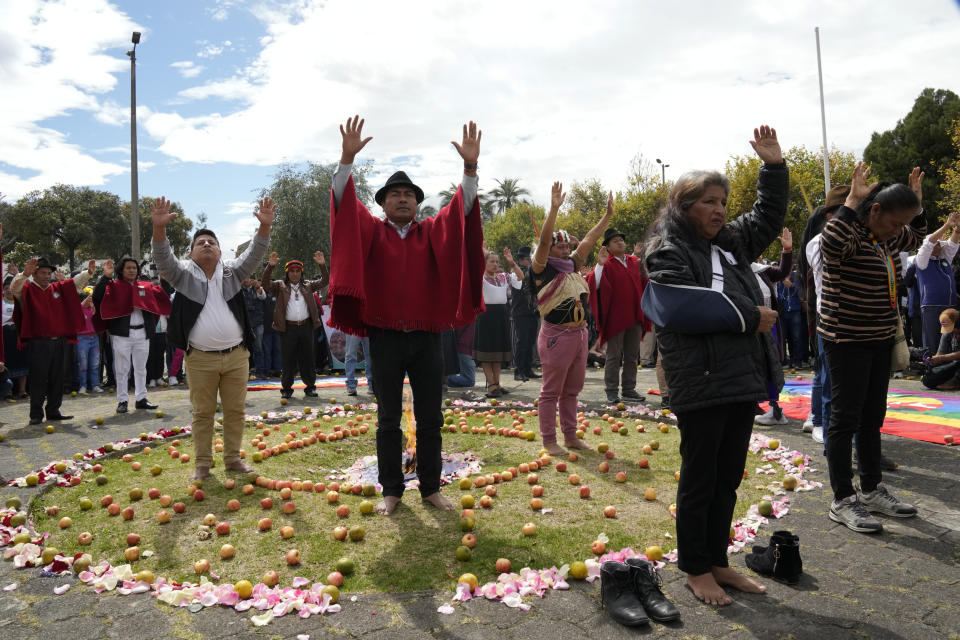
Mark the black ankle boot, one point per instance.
(617, 594)
(647, 583)
(781, 560)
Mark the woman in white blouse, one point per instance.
(491, 341)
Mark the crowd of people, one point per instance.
(426, 300)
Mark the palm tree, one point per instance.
(507, 193)
(488, 203)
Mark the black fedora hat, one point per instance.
(523, 252)
(399, 179)
(610, 234)
(43, 263)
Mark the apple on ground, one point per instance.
(293, 557)
(585, 491)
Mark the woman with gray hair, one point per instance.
(714, 338)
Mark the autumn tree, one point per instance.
(921, 139)
(806, 185)
(950, 188)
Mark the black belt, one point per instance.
(136, 326)
(298, 323)
(221, 351)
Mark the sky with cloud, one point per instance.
(228, 89)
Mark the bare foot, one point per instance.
(576, 444)
(386, 506)
(555, 449)
(439, 501)
(729, 577)
(705, 587)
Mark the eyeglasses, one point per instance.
(204, 241)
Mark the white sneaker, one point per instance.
(897, 375)
(769, 419)
(818, 434)
(153, 383)
(97, 389)
(172, 381)
(82, 391)
(808, 423)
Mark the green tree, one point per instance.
(426, 211)
(585, 204)
(488, 206)
(514, 227)
(507, 193)
(60, 220)
(950, 189)
(806, 185)
(302, 225)
(920, 139)
(636, 208)
(178, 231)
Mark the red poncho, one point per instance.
(121, 297)
(429, 281)
(53, 312)
(616, 302)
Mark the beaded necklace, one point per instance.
(891, 271)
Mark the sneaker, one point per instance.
(808, 424)
(769, 418)
(153, 383)
(632, 394)
(817, 435)
(851, 513)
(612, 397)
(97, 389)
(880, 500)
(351, 391)
(172, 381)
(82, 391)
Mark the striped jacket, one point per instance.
(855, 299)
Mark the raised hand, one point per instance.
(916, 182)
(766, 145)
(859, 189)
(557, 196)
(353, 140)
(318, 258)
(508, 256)
(59, 275)
(266, 211)
(91, 266)
(108, 269)
(469, 147)
(953, 220)
(786, 239)
(602, 256)
(30, 267)
(609, 206)
(160, 212)
(273, 259)
(638, 248)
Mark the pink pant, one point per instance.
(563, 356)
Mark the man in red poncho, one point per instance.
(616, 289)
(47, 315)
(131, 308)
(403, 282)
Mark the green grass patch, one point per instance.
(412, 550)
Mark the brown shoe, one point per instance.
(239, 465)
(200, 473)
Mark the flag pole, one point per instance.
(823, 120)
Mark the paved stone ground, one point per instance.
(904, 583)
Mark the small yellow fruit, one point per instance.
(578, 570)
(470, 579)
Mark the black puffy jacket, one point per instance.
(711, 350)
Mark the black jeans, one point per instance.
(45, 358)
(526, 328)
(940, 374)
(416, 354)
(156, 356)
(713, 452)
(859, 376)
(297, 349)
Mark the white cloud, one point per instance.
(563, 90)
(239, 227)
(51, 71)
(209, 51)
(221, 9)
(187, 68)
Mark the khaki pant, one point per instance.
(648, 348)
(210, 373)
(622, 351)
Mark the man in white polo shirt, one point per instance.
(209, 321)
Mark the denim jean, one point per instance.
(350, 359)
(468, 372)
(257, 348)
(826, 393)
(272, 355)
(88, 361)
(795, 331)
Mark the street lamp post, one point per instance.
(663, 167)
(134, 188)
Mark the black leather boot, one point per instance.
(781, 560)
(617, 594)
(646, 584)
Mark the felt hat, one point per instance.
(609, 235)
(293, 264)
(43, 262)
(837, 196)
(523, 252)
(399, 179)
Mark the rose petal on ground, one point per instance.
(262, 619)
(11, 587)
(445, 609)
(61, 589)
